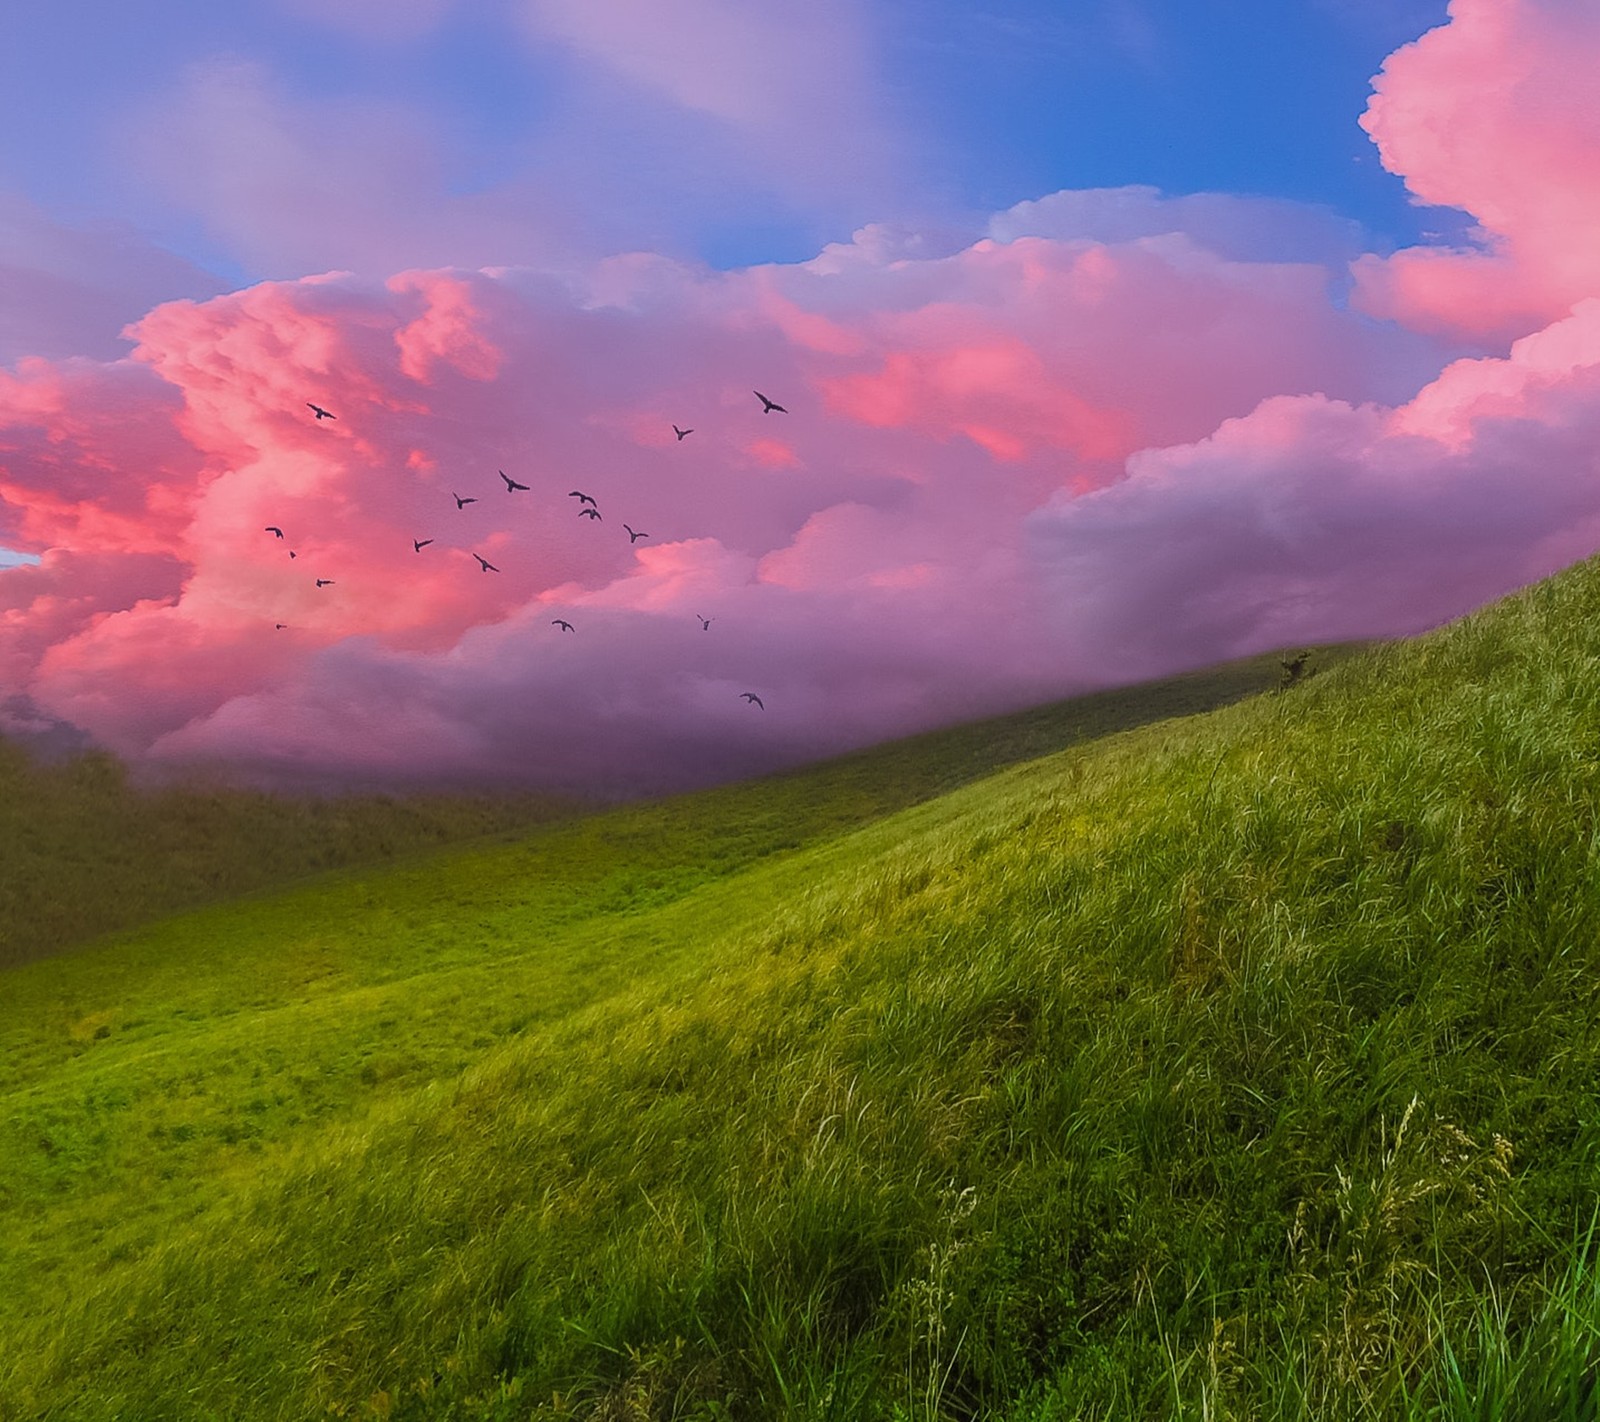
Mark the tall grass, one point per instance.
(1240, 1066)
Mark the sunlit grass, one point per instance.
(1237, 1066)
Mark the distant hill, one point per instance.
(85, 851)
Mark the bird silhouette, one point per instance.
(485, 565)
(681, 433)
(751, 696)
(460, 502)
(768, 406)
(582, 498)
(293, 554)
(634, 537)
(321, 413)
(272, 528)
(280, 625)
(562, 623)
(589, 513)
(324, 582)
(512, 483)
(420, 543)
(705, 623)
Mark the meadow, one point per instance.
(87, 851)
(1123, 1059)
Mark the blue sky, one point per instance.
(985, 105)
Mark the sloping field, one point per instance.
(86, 852)
(1241, 1065)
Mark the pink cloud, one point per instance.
(1042, 345)
(1494, 113)
(446, 332)
(1312, 519)
(932, 406)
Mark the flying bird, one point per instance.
(589, 513)
(751, 696)
(272, 528)
(280, 625)
(681, 433)
(420, 543)
(512, 483)
(485, 565)
(321, 413)
(460, 502)
(768, 406)
(582, 498)
(324, 582)
(562, 623)
(705, 623)
(293, 554)
(634, 537)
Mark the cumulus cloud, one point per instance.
(1494, 113)
(1314, 519)
(862, 557)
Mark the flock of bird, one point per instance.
(587, 508)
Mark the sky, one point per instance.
(1113, 338)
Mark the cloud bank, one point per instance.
(1104, 436)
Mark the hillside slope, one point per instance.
(84, 852)
(1240, 1065)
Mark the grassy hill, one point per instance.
(86, 852)
(1239, 1065)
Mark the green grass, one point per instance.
(1240, 1065)
(86, 852)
